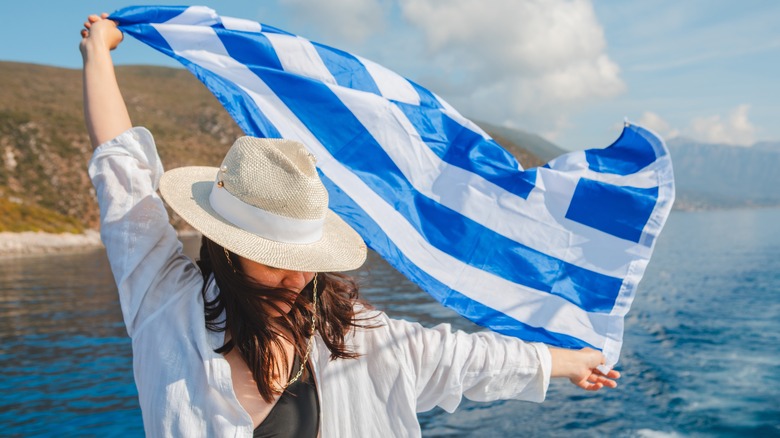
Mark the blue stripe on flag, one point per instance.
(348, 71)
(471, 309)
(354, 147)
(146, 14)
(427, 99)
(235, 100)
(617, 210)
(148, 34)
(462, 147)
(241, 107)
(628, 154)
(251, 49)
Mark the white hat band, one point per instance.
(264, 223)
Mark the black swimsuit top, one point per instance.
(296, 413)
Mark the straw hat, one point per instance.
(266, 203)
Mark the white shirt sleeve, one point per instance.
(483, 366)
(143, 249)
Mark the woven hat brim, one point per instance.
(187, 190)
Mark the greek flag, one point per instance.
(552, 254)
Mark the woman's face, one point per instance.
(276, 278)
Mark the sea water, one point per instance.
(701, 355)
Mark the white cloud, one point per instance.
(660, 126)
(736, 129)
(348, 19)
(524, 63)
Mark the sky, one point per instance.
(569, 70)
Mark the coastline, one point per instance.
(36, 243)
(32, 243)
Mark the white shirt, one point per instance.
(185, 388)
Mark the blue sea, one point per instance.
(701, 354)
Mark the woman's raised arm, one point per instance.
(104, 108)
(146, 256)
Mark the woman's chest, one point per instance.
(245, 387)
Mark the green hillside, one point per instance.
(44, 148)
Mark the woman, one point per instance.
(263, 336)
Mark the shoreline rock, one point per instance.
(36, 243)
(31, 243)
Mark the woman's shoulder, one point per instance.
(373, 323)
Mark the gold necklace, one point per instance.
(311, 335)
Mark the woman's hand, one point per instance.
(580, 367)
(104, 109)
(99, 32)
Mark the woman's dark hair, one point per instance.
(256, 334)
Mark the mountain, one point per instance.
(532, 143)
(44, 147)
(706, 175)
(724, 176)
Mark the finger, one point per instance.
(93, 18)
(608, 383)
(599, 377)
(84, 33)
(612, 374)
(603, 381)
(87, 24)
(104, 15)
(596, 387)
(588, 386)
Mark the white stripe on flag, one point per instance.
(392, 85)
(241, 24)
(298, 56)
(647, 178)
(196, 16)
